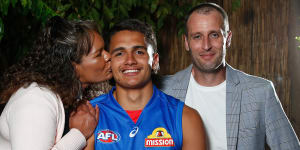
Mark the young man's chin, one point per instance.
(132, 85)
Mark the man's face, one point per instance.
(129, 59)
(206, 41)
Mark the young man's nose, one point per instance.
(130, 59)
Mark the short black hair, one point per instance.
(138, 26)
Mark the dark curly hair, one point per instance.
(50, 63)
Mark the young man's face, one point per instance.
(129, 59)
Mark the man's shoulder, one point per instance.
(168, 79)
(246, 79)
(177, 77)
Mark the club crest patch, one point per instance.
(159, 138)
(107, 136)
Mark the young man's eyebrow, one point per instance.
(117, 49)
(122, 48)
(139, 46)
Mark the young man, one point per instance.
(239, 111)
(135, 115)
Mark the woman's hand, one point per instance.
(85, 119)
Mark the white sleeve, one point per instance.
(32, 121)
(73, 140)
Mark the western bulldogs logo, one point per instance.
(159, 138)
(107, 136)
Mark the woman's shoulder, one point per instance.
(35, 89)
(34, 95)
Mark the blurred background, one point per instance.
(264, 40)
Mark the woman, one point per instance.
(66, 58)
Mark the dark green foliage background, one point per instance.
(21, 20)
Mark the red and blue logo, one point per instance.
(107, 136)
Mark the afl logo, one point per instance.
(108, 136)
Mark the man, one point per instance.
(239, 111)
(135, 114)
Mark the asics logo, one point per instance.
(134, 131)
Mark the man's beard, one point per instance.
(214, 67)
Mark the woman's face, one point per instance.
(94, 67)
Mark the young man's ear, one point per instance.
(155, 63)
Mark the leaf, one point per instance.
(114, 3)
(154, 5)
(235, 4)
(135, 3)
(37, 9)
(24, 3)
(13, 2)
(298, 39)
(148, 20)
(72, 16)
(111, 24)
(98, 4)
(180, 32)
(180, 14)
(107, 12)
(46, 12)
(194, 2)
(160, 22)
(94, 14)
(159, 12)
(42, 11)
(125, 3)
(4, 4)
(142, 16)
(123, 11)
(165, 11)
(180, 28)
(138, 2)
(63, 8)
(181, 11)
(29, 4)
(101, 24)
(25, 11)
(1, 29)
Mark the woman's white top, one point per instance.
(34, 119)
